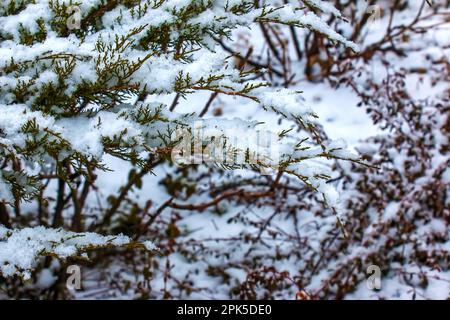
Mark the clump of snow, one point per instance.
(325, 7)
(149, 245)
(286, 102)
(20, 249)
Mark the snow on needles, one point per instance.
(86, 76)
(68, 98)
(20, 250)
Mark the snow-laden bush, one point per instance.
(397, 212)
(286, 244)
(21, 249)
(400, 213)
(70, 96)
(80, 79)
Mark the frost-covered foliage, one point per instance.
(401, 212)
(286, 244)
(121, 125)
(398, 212)
(21, 249)
(65, 94)
(82, 80)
